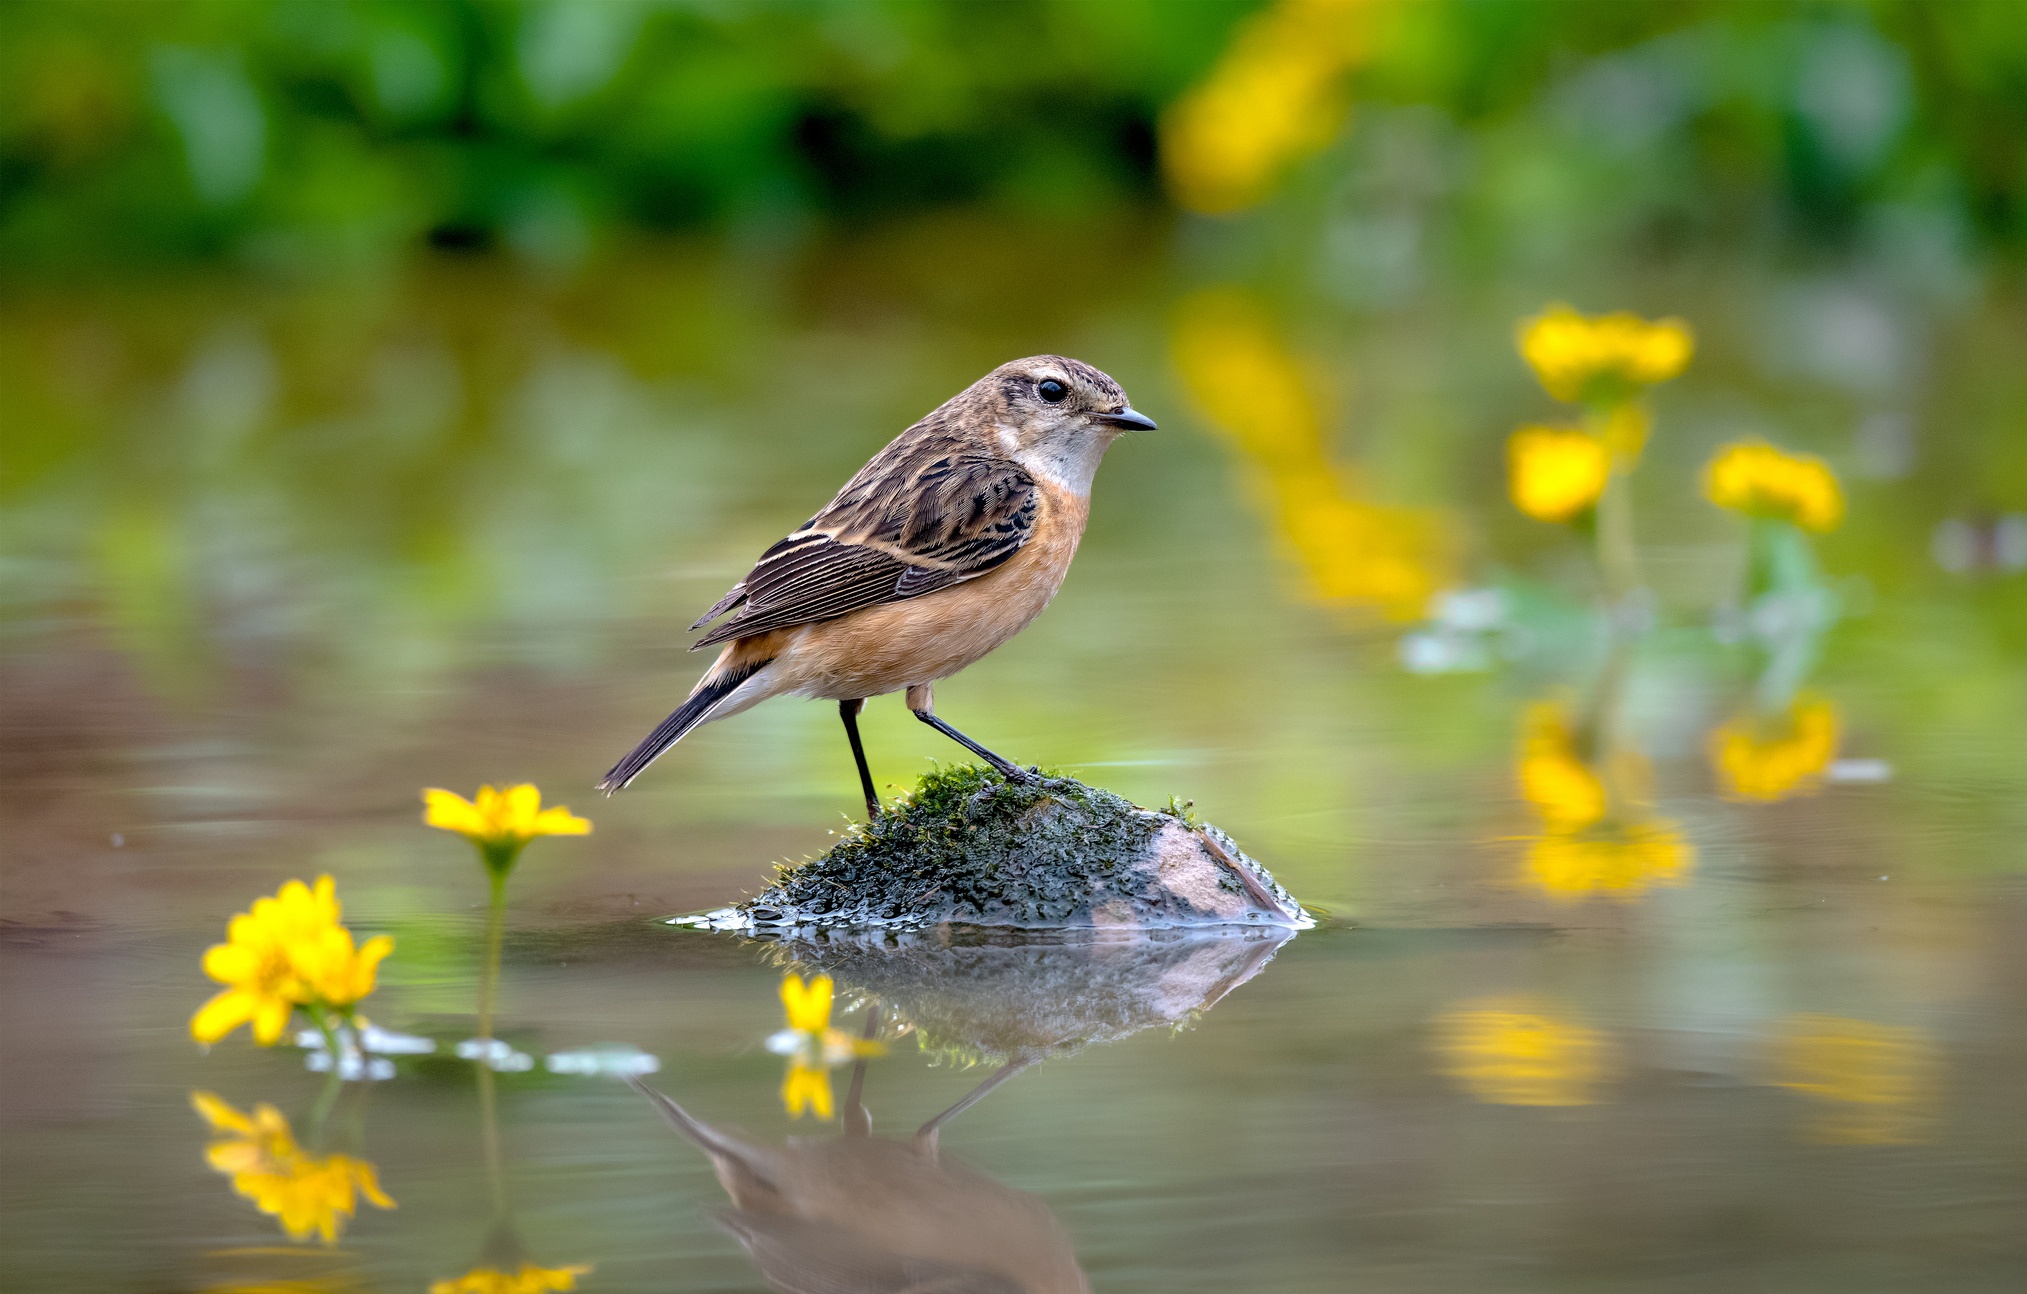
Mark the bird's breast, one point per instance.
(919, 640)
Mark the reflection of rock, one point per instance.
(1025, 999)
(969, 848)
(859, 1213)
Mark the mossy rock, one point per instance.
(984, 995)
(971, 848)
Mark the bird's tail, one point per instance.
(716, 686)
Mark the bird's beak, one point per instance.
(1128, 419)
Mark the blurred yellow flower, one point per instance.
(1515, 1051)
(1602, 359)
(289, 951)
(1555, 473)
(807, 1087)
(500, 822)
(530, 1279)
(812, 1045)
(307, 1193)
(1596, 836)
(1758, 760)
(1762, 481)
(1619, 861)
(1877, 1083)
(1256, 396)
(1553, 778)
(1275, 96)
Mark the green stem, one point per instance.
(1617, 561)
(489, 1135)
(489, 971)
(333, 1083)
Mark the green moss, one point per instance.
(970, 846)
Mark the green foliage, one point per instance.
(321, 131)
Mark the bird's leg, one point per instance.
(925, 1136)
(922, 702)
(849, 712)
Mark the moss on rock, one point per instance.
(970, 847)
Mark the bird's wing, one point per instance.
(920, 517)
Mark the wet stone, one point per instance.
(972, 848)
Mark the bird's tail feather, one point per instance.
(671, 730)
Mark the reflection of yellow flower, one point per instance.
(530, 1279)
(289, 951)
(806, 1087)
(1556, 472)
(307, 1193)
(1772, 761)
(1255, 394)
(1602, 359)
(1274, 96)
(1514, 1051)
(812, 1046)
(1762, 481)
(1553, 777)
(1591, 844)
(1877, 1083)
(1620, 861)
(500, 823)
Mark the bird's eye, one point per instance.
(1051, 390)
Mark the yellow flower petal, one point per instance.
(222, 1014)
(807, 1087)
(808, 1005)
(1556, 472)
(452, 812)
(560, 821)
(218, 1114)
(1602, 359)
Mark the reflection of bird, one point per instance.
(859, 1214)
(949, 542)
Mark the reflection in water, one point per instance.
(1758, 759)
(307, 1193)
(1598, 834)
(1000, 1000)
(1873, 1085)
(813, 1047)
(503, 1266)
(1519, 1051)
(1256, 395)
(863, 1213)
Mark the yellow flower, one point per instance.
(530, 1279)
(289, 951)
(1592, 842)
(499, 822)
(307, 1193)
(1602, 359)
(812, 1046)
(1560, 786)
(1555, 473)
(1757, 761)
(1878, 1083)
(1275, 96)
(1514, 1051)
(1257, 397)
(807, 1087)
(1762, 481)
(1620, 861)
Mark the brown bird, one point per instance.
(949, 542)
(859, 1214)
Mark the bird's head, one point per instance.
(1054, 416)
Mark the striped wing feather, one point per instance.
(922, 516)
